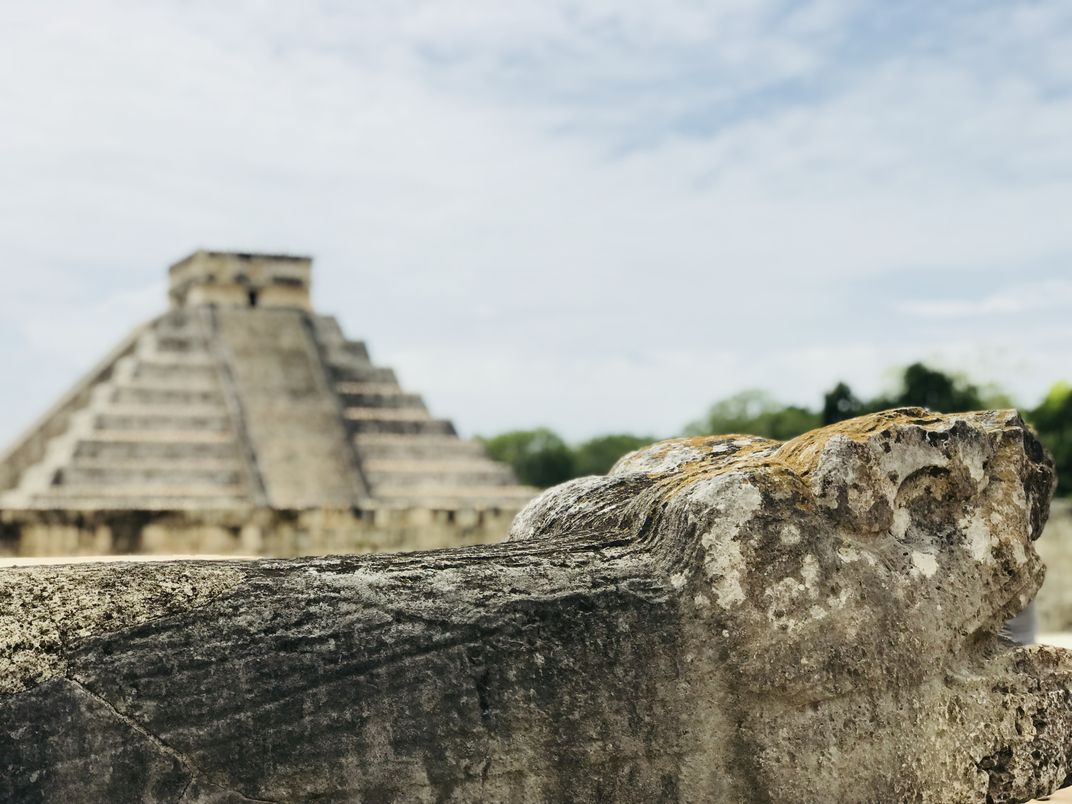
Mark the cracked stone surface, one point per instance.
(43, 609)
(718, 619)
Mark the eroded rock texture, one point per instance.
(719, 619)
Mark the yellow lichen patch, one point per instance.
(745, 450)
(707, 456)
(46, 610)
(670, 455)
(802, 453)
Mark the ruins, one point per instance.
(719, 619)
(243, 422)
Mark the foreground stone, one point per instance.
(720, 619)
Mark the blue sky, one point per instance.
(597, 216)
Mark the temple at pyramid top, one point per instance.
(237, 279)
(242, 396)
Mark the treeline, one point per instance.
(541, 458)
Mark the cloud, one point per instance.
(592, 215)
(1019, 299)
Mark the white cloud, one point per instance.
(595, 216)
(1017, 299)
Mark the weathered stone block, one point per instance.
(720, 619)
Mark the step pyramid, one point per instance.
(242, 396)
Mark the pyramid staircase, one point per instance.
(157, 433)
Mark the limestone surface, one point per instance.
(719, 619)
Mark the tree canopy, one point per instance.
(597, 455)
(542, 458)
(539, 457)
(1053, 420)
(755, 412)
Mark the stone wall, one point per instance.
(253, 532)
(717, 620)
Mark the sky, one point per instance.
(593, 216)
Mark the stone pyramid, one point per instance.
(241, 396)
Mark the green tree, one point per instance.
(840, 403)
(539, 457)
(597, 455)
(925, 387)
(755, 412)
(1053, 421)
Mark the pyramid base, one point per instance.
(265, 532)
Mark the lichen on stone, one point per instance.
(46, 610)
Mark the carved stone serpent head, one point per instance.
(845, 591)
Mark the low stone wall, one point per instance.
(261, 532)
(717, 620)
(1054, 601)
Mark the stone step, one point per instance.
(176, 323)
(401, 426)
(162, 437)
(181, 343)
(188, 333)
(376, 374)
(328, 329)
(151, 352)
(393, 446)
(149, 395)
(472, 471)
(380, 400)
(385, 388)
(175, 372)
(120, 499)
(168, 421)
(446, 496)
(343, 366)
(177, 409)
(473, 477)
(193, 460)
(132, 477)
(159, 491)
(331, 337)
(347, 353)
(202, 382)
(387, 414)
(438, 467)
(148, 450)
